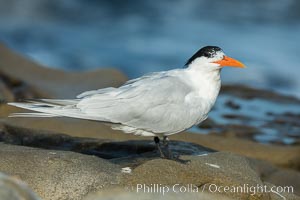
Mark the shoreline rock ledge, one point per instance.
(19, 73)
(62, 158)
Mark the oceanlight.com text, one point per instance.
(213, 188)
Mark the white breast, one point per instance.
(206, 84)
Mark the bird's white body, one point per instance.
(161, 103)
(158, 104)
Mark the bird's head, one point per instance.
(211, 58)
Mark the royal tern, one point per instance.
(158, 104)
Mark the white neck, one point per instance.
(205, 79)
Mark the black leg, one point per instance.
(166, 146)
(156, 140)
(168, 154)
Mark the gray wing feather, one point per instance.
(150, 103)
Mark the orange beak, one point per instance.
(230, 62)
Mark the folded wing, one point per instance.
(155, 104)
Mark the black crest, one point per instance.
(208, 51)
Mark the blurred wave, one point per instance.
(143, 36)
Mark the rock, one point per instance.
(260, 112)
(138, 157)
(237, 117)
(121, 194)
(14, 189)
(246, 92)
(5, 94)
(237, 130)
(282, 195)
(208, 124)
(283, 156)
(13, 89)
(58, 174)
(285, 178)
(286, 119)
(52, 82)
(202, 173)
(232, 105)
(62, 166)
(206, 172)
(133, 152)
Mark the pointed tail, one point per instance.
(43, 107)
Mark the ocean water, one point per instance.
(138, 37)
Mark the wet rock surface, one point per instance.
(283, 156)
(246, 92)
(121, 152)
(62, 158)
(266, 118)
